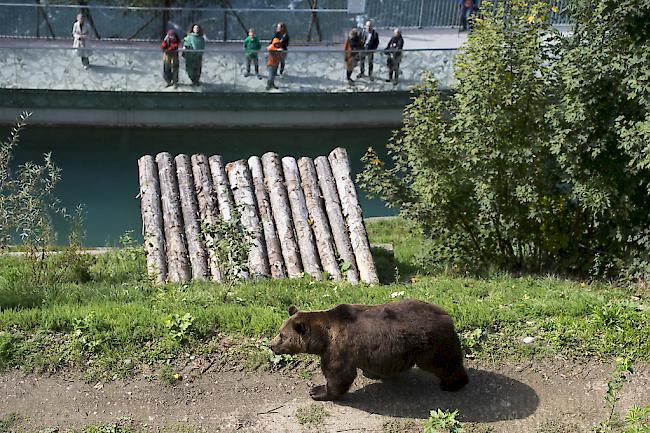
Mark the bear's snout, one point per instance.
(273, 345)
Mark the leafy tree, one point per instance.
(475, 169)
(602, 130)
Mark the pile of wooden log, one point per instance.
(304, 216)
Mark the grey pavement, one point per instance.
(123, 66)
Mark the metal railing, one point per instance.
(151, 23)
(139, 69)
(37, 20)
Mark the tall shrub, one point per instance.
(602, 131)
(475, 169)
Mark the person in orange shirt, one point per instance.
(351, 48)
(275, 56)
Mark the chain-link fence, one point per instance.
(329, 22)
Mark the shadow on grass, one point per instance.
(488, 397)
(389, 269)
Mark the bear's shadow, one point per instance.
(488, 397)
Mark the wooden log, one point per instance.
(340, 164)
(221, 187)
(306, 241)
(208, 208)
(178, 264)
(152, 219)
(335, 217)
(242, 190)
(273, 249)
(320, 224)
(190, 209)
(281, 213)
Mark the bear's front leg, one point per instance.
(339, 379)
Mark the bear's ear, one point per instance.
(292, 310)
(299, 327)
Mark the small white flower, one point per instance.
(396, 294)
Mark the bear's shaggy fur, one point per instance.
(381, 340)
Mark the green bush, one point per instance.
(539, 159)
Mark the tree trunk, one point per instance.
(317, 216)
(301, 221)
(335, 217)
(221, 187)
(281, 213)
(152, 219)
(190, 208)
(208, 208)
(178, 265)
(242, 189)
(352, 212)
(266, 215)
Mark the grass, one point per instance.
(118, 321)
(312, 415)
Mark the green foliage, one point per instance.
(602, 129)
(443, 422)
(7, 423)
(474, 170)
(230, 242)
(636, 420)
(313, 414)
(179, 326)
(539, 160)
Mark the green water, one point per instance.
(100, 164)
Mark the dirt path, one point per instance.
(509, 398)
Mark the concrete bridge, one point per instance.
(124, 85)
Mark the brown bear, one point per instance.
(381, 340)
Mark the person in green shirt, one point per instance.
(195, 42)
(252, 46)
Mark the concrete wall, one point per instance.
(216, 110)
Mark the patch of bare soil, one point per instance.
(509, 398)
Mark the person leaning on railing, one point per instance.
(252, 46)
(195, 43)
(351, 48)
(170, 58)
(81, 38)
(370, 39)
(393, 52)
(282, 33)
(275, 57)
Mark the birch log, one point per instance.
(221, 187)
(178, 265)
(340, 164)
(242, 189)
(335, 217)
(301, 221)
(320, 225)
(281, 213)
(273, 249)
(208, 208)
(152, 219)
(190, 209)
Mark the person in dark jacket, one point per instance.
(393, 52)
(171, 64)
(194, 44)
(370, 39)
(282, 34)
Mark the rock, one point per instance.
(527, 340)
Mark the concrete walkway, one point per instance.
(137, 67)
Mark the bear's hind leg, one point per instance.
(449, 369)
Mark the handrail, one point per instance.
(173, 8)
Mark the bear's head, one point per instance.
(298, 334)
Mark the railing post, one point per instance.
(421, 13)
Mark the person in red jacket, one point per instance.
(275, 57)
(170, 58)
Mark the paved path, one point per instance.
(123, 66)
